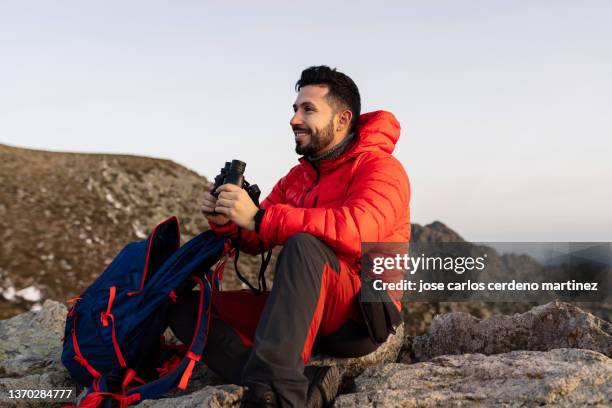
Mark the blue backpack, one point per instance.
(113, 340)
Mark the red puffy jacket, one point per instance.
(362, 196)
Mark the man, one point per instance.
(347, 189)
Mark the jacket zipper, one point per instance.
(317, 180)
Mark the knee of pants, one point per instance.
(309, 249)
(299, 241)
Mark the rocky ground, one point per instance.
(553, 355)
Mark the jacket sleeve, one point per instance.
(377, 198)
(249, 240)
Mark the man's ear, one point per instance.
(344, 120)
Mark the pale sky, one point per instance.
(505, 106)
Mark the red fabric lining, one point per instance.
(179, 348)
(169, 365)
(241, 310)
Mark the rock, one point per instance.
(434, 232)
(31, 343)
(546, 327)
(30, 347)
(561, 377)
(59, 380)
(205, 391)
(208, 397)
(419, 315)
(30, 351)
(352, 367)
(202, 377)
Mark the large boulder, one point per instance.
(31, 343)
(546, 327)
(561, 378)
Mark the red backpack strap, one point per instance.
(104, 316)
(188, 371)
(80, 358)
(94, 399)
(193, 357)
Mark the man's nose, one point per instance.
(296, 119)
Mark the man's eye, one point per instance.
(308, 109)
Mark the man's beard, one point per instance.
(319, 140)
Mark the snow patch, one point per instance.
(8, 293)
(31, 294)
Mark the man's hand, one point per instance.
(235, 203)
(209, 202)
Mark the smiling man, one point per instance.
(317, 126)
(347, 189)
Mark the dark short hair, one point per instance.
(342, 90)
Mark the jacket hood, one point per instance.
(378, 130)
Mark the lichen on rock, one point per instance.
(546, 327)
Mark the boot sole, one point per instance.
(328, 383)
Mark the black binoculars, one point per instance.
(233, 173)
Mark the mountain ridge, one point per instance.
(64, 215)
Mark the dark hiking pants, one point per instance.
(268, 338)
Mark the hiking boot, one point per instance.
(324, 383)
(258, 395)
